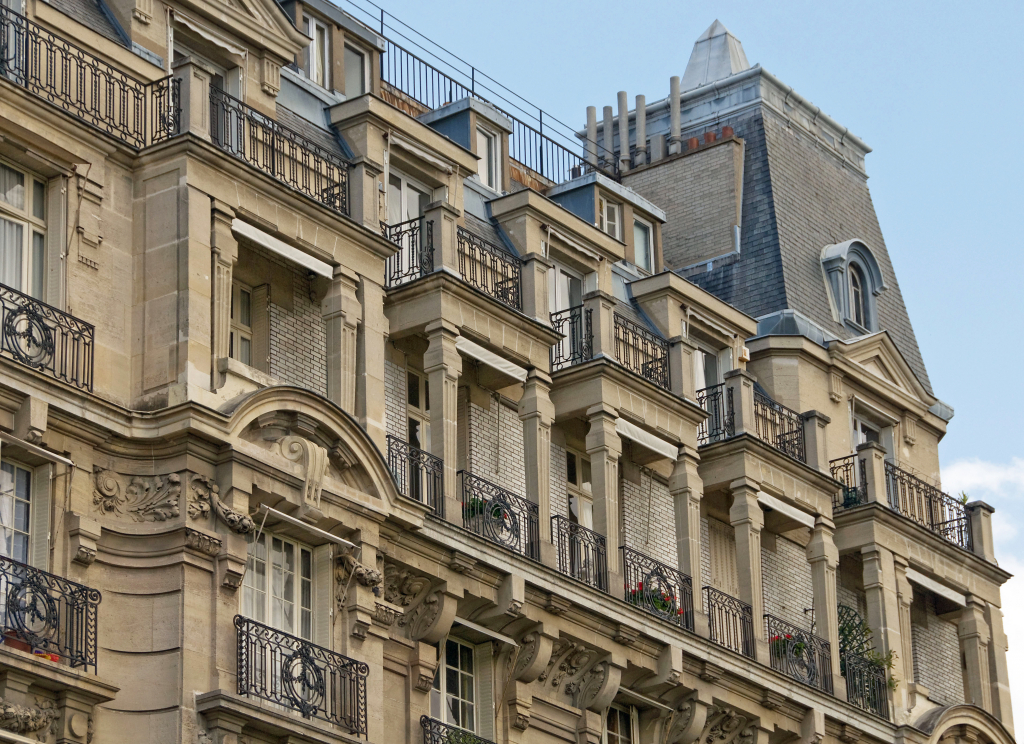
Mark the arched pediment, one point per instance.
(839, 255)
(951, 722)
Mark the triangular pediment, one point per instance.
(258, 24)
(877, 355)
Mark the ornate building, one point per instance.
(339, 403)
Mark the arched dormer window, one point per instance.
(854, 281)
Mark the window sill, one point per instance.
(232, 368)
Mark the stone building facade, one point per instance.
(334, 407)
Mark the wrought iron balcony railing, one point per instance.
(420, 475)
(928, 506)
(46, 613)
(779, 427)
(278, 151)
(658, 588)
(582, 554)
(415, 257)
(799, 654)
(492, 270)
(576, 325)
(640, 351)
(289, 671)
(46, 339)
(500, 516)
(84, 86)
(719, 425)
(731, 622)
(435, 732)
(866, 685)
(851, 471)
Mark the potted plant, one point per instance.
(658, 600)
(785, 642)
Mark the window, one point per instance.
(22, 230)
(709, 366)
(240, 342)
(278, 587)
(318, 55)
(858, 309)
(620, 726)
(357, 78)
(578, 484)
(487, 151)
(15, 500)
(854, 280)
(609, 217)
(643, 245)
(407, 199)
(418, 399)
(454, 697)
(565, 288)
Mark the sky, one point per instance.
(933, 87)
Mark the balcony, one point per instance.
(799, 654)
(48, 615)
(500, 516)
(716, 401)
(435, 732)
(45, 339)
(85, 87)
(658, 589)
(866, 685)
(415, 257)
(641, 352)
(278, 151)
(490, 269)
(582, 554)
(419, 474)
(851, 471)
(731, 621)
(779, 427)
(289, 671)
(928, 506)
(577, 346)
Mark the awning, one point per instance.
(645, 439)
(936, 588)
(783, 508)
(278, 246)
(492, 360)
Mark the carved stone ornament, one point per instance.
(724, 726)
(85, 555)
(423, 615)
(204, 499)
(679, 721)
(144, 498)
(39, 720)
(202, 542)
(528, 647)
(364, 575)
(315, 459)
(402, 587)
(384, 615)
(590, 685)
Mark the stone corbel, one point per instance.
(835, 386)
(270, 75)
(510, 600)
(598, 686)
(909, 426)
(84, 533)
(431, 619)
(688, 719)
(812, 728)
(422, 667)
(534, 654)
(670, 668)
(30, 420)
(315, 459)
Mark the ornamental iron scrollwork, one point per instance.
(799, 654)
(730, 621)
(582, 554)
(500, 516)
(658, 589)
(419, 474)
(436, 732)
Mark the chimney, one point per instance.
(609, 143)
(623, 132)
(591, 144)
(641, 130)
(675, 141)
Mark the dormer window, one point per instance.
(487, 151)
(357, 76)
(854, 281)
(858, 307)
(609, 218)
(643, 245)
(318, 58)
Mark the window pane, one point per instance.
(467, 659)
(355, 73)
(413, 390)
(394, 199)
(415, 440)
(451, 654)
(11, 236)
(642, 245)
(38, 264)
(12, 187)
(244, 350)
(38, 200)
(245, 308)
(570, 469)
(321, 56)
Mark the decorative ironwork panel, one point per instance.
(851, 471)
(165, 113)
(499, 515)
(731, 622)
(280, 152)
(866, 685)
(492, 270)
(45, 339)
(578, 345)
(49, 614)
(658, 588)
(779, 427)
(640, 351)
(928, 506)
(415, 257)
(313, 680)
(799, 654)
(719, 425)
(420, 475)
(435, 732)
(79, 83)
(581, 552)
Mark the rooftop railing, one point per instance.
(493, 270)
(278, 151)
(436, 732)
(499, 515)
(730, 621)
(779, 427)
(928, 506)
(799, 654)
(48, 614)
(640, 351)
(577, 346)
(85, 87)
(658, 589)
(716, 400)
(290, 671)
(420, 475)
(851, 471)
(46, 339)
(415, 257)
(582, 554)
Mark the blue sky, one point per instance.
(932, 87)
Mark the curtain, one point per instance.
(11, 241)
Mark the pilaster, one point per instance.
(998, 670)
(601, 306)
(884, 619)
(443, 366)
(740, 384)
(974, 642)
(687, 489)
(371, 342)
(823, 556)
(342, 315)
(873, 455)
(536, 411)
(225, 255)
(747, 520)
(604, 448)
(815, 439)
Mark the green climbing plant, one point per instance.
(855, 638)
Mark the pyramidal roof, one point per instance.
(716, 55)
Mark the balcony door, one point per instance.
(407, 200)
(565, 291)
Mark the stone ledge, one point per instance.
(267, 718)
(51, 675)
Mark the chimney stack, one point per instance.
(641, 130)
(609, 143)
(675, 141)
(623, 132)
(591, 144)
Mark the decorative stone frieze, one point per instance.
(204, 499)
(201, 542)
(141, 498)
(39, 720)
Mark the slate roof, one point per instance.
(94, 15)
(317, 135)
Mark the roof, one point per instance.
(95, 15)
(716, 55)
(317, 135)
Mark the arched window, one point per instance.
(854, 281)
(858, 309)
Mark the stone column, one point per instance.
(536, 411)
(443, 366)
(880, 590)
(741, 384)
(1000, 678)
(604, 448)
(687, 489)
(823, 556)
(747, 520)
(342, 314)
(974, 641)
(874, 468)
(815, 445)
(225, 254)
(980, 515)
(370, 344)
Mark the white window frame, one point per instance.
(558, 299)
(492, 158)
(631, 715)
(408, 189)
(239, 330)
(350, 48)
(250, 601)
(31, 274)
(580, 492)
(421, 413)
(439, 692)
(855, 273)
(317, 51)
(609, 227)
(649, 227)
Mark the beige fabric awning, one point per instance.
(492, 360)
(646, 439)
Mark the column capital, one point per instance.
(745, 484)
